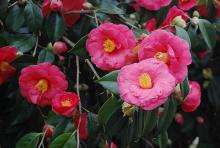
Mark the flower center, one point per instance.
(66, 102)
(42, 85)
(145, 81)
(109, 46)
(136, 48)
(162, 57)
(4, 66)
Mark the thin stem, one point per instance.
(41, 113)
(96, 19)
(42, 140)
(93, 69)
(13, 4)
(35, 48)
(78, 12)
(78, 93)
(68, 41)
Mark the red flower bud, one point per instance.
(48, 129)
(200, 120)
(179, 119)
(56, 5)
(112, 145)
(59, 47)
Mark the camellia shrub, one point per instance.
(109, 73)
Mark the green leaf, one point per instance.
(184, 87)
(66, 140)
(28, 141)
(15, 18)
(150, 121)
(33, 16)
(80, 49)
(46, 56)
(109, 81)
(139, 32)
(214, 91)
(208, 32)
(180, 32)
(168, 115)
(93, 124)
(55, 26)
(3, 8)
(162, 140)
(107, 109)
(110, 8)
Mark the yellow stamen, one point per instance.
(145, 81)
(42, 85)
(136, 48)
(4, 66)
(162, 57)
(109, 46)
(66, 103)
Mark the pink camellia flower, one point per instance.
(64, 103)
(187, 4)
(111, 46)
(151, 25)
(193, 99)
(146, 84)
(153, 4)
(7, 55)
(173, 13)
(63, 6)
(168, 48)
(40, 83)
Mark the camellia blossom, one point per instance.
(193, 99)
(67, 6)
(187, 4)
(7, 55)
(151, 24)
(170, 49)
(153, 4)
(83, 131)
(173, 13)
(146, 84)
(64, 103)
(111, 46)
(40, 83)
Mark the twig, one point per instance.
(42, 140)
(78, 12)
(35, 48)
(93, 69)
(78, 93)
(68, 41)
(13, 4)
(96, 19)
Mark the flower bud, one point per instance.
(87, 6)
(48, 130)
(132, 16)
(196, 14)
(128, 109)
(195, 21)
(179, 119)
(200, 120)
(56, 5)
(59, 47)
(179, 21)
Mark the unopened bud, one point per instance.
(87, 6)
(48, 130)
(195, 21)
(179, 21)
(132, 16)
(128, 109)
(179, 119)
(196, 14)
(56, 5)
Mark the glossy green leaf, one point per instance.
(208, 32)
(184, 87)
(93, 124)
(168, 115)
(150, 121)
(109, 81)
(107, 109)
(162, 140)
(55, 26)
(180, 32)
(80, 49)
(66, 140)
(214, 91)
(46, 56)
(28, 141)
(33, 16)
(110, 8)
(15, 18)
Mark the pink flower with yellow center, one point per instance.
(146, 84)
(111, 46)
(7, 55)
(187, 4)
(64, 103)
(193, 99)
(153, 4)
(168, 48)
(40, 83)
